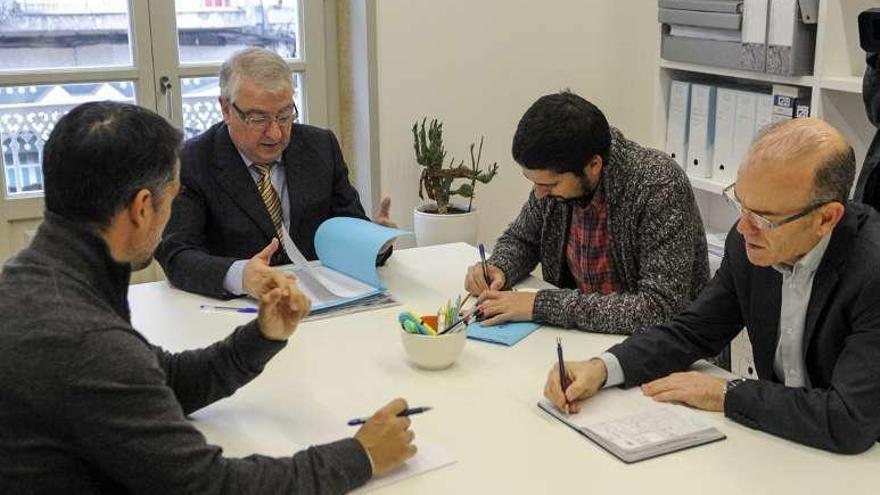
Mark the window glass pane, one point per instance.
(201, 109)
(46, 34)
(211, 30)
(27, 116)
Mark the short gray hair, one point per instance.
(791, 141)
(266, 68)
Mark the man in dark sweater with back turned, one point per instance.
(87, 405)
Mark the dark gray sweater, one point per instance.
(657, 243)
(87, 405)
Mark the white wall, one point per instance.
(478, 64)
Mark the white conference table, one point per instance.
(485, 414)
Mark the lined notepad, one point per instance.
(633, 434)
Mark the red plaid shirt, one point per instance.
(589, 247)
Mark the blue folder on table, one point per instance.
(506, 333)
(346, 273)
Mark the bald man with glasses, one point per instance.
(252, 179)
(801, 272)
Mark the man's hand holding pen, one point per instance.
(475, 281)
(585, 379)
(387, 437)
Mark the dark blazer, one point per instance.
(219, 216)
(868, 185)
(840, 411)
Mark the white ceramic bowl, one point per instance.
(433, 352)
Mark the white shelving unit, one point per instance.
(847, 84)
(836, 89)
(747, 75)
(707, 185)
(836, 96)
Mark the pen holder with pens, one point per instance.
(426, 349)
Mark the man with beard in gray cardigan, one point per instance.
(613, 224)
(87, 405)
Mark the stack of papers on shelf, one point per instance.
(634, 427)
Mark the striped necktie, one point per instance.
(270, 197)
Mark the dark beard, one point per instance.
(585, 198)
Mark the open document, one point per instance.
(344, 279)
(634, 427)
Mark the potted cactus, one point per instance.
(439, 220)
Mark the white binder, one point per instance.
(723, 157)
(754, 34)
(763, 112)
(744, 129)
(677, 121)
(791, 37)
(701, 130)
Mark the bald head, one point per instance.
(809, 143)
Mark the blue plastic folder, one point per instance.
(346, 274)
(350, 245)
(505, 334)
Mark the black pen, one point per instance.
(563, 378)
(485, 265)
(405, 412)
(476, 312)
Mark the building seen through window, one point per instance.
(71, 34)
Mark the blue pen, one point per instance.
(405, 412)
(230, 308)
(485, 265)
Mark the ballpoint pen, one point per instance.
(463, 301)
(234, 309)
(563, 378)
(473, 312)
(406, 412)
(485, 265)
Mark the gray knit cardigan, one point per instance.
(657, 243)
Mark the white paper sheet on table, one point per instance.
(254, 432)
(428, 458)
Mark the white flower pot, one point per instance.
(432, 228)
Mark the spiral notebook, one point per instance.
(634, 428)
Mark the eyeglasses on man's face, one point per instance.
(761, 222)
(261, 120)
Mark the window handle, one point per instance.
(165, 88)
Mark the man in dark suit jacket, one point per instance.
(220, 240)
(802, 273)
(868, 185)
